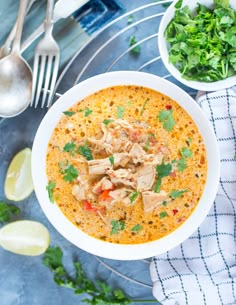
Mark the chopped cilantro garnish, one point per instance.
(70, 173)
(133, 196)
(50, 188)
(181, 164)
(112, 160)
(176, 194)
(107, 121)
(70, 147)
(6, 211)
(144, 106)
(136, 228)
(87, 112)
(132, 41)
(85, 151)
(162, 170)
(166, 117)
(117, 225)
(164, 203)
(162, 214)
(186, 152)
(120, 112)
(69, 113)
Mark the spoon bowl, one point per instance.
(15, 75)
(15, 85)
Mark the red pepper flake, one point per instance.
(168, 107)
(87, 205)
(173, 174)
(175, 211)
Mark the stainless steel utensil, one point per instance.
(46, 62)
(15, 75)
(6, 48)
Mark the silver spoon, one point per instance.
(6, 48)
(15, 75)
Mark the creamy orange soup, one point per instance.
(126, 165)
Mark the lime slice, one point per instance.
(18, 182)
(25, 237)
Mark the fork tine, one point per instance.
(34, 81)
(53, 81)
(47, 79)
(40, 79)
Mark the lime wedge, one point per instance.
(18, 181)
(25, 237)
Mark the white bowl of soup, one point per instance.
(125, 165)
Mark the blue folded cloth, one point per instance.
(202, 270)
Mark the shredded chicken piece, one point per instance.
(102, 185)
(145, 177)
(119, 194)
(121, 159)
(79, 192)
(137, 153)
(152, 200)
(99, 166)
(122, 176)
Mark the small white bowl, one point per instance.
(163, 49)
(69, 230)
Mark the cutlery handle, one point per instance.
(6, 48)
(19, 28)
(48, 22)
(62, 9)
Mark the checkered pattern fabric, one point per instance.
(202, 270)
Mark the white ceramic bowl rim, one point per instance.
(70, 231)
(163, 49)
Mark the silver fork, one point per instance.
(46, 62)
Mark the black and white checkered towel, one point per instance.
(202, 270)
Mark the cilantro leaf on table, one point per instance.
(7, 211)
(97, 292)
(132, 41)
(201, 43)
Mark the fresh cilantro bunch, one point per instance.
(203, 43)
(99, 293)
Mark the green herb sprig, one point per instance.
(98, 292)
(162, 170)
(166, 117)
(50, 188)
(7, 211)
